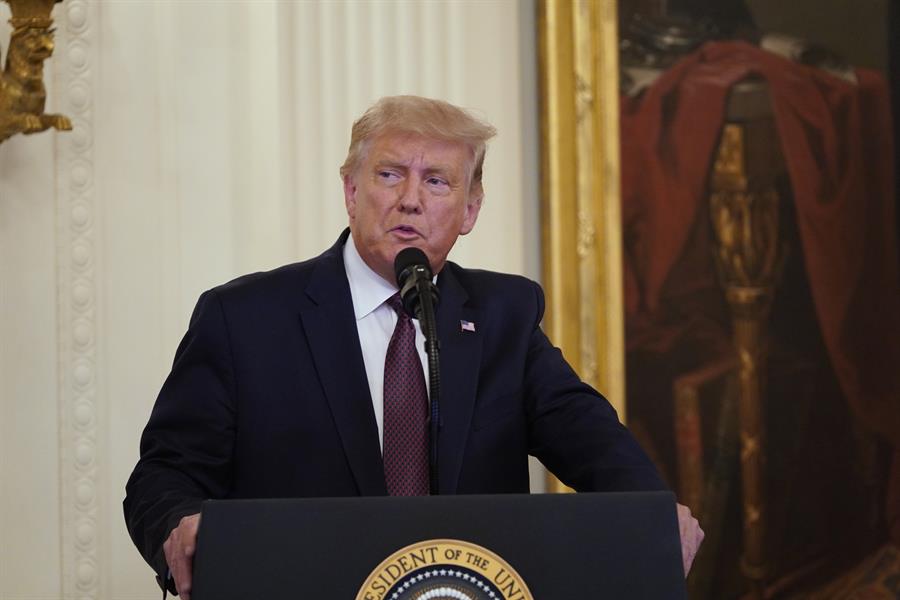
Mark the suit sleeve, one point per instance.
(186, 447)
(573, 430)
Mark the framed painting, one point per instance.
(720, 258)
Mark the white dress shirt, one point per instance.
(375, 322)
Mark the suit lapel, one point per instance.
(460, 357)
(330, 326)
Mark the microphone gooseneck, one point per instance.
(413, 273)
(420, 297)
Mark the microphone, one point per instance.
(413, 273)
(420, 296)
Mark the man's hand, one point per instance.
(691, 536)
(179, 548)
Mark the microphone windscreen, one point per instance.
(409, 257)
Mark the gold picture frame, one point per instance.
(580, 197)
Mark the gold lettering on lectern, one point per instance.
(444, 568)
(507, 585)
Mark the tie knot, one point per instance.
(396, 303)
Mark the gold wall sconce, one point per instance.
(22, 91)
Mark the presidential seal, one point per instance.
(444, 570)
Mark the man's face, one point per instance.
(410, 191)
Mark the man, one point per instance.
(286, 383)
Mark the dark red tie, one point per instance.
(405, 411)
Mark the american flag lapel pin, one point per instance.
(466, 325)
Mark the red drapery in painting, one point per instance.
(836, 140)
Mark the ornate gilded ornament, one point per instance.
(22, 92)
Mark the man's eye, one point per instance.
(436, 181)
(389, 175)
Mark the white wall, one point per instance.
(207, 142)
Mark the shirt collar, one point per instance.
(368, 289)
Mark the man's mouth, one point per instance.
(406, 231)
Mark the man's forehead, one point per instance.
(405, 147)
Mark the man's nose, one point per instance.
(411, 198)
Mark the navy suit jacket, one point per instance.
(268, 397)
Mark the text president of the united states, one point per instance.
(308, 380)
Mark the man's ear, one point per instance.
(350, 196)
(473, 206)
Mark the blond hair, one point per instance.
(420, 116)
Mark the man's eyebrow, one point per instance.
(448, 170)
(390, 161)
(395, 162)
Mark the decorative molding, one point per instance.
(581, 218)
(77, 297)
